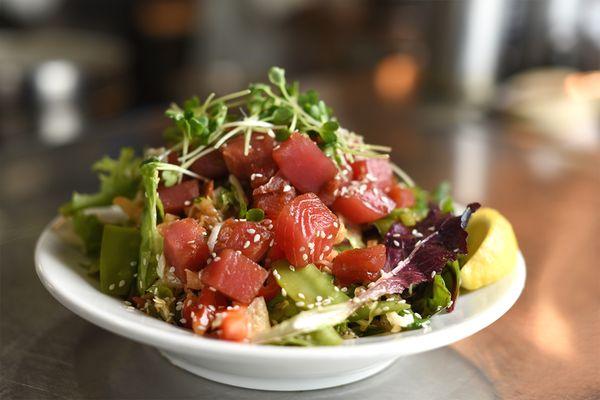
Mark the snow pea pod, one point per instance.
(307, 286)
(118, 259)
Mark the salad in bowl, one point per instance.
(262, 220)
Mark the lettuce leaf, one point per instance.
(118, 177)
(151, 241)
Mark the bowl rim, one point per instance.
(175, 339)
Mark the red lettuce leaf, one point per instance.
(415, 255)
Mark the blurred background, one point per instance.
(66, 65)
(500, 97)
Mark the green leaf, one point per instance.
(255, 214)
(282, 116)
(277, 76)
(151, 241)
(169, 178)
(434, 298)
(442, 196)
(282, 135)
(89, 229)
(118, 177)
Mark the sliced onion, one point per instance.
(214, 235)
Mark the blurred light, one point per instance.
(56, 85)
(165, 18)
(552, 333)
(559, 103)
(30, 10)
(471, 162)
(396, 76)
(56, 80)
(60, 123)
(562, 22)
(583, 86)
(480, 52)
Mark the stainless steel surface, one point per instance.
(546, 347)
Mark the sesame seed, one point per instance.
(432, 274)
(121, 283)
(344, 289)
(272, 242)
(133, 263)
(300, 304)
(302, 248)
(187, 203)
(251, 231)
(172, 269)
(335, 224)
(311, 245)
(216, 259)
(326, 248)
(183, 320)
(111, 286)
(330, 236)
(292, 268)
(246, 244)
(305, 257)
(396, 243)
(319, 298)
(283, 292)
(256, 238)
(301, 295)
(287, 188)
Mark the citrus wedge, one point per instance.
(492, 249)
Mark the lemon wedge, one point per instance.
(492, 249)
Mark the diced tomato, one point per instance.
(273, 195)
(303, 163)
(235, 275)
(402, 196)
(377, 171)
(305, 230)
(176, 197)
(210, 166)
(359, 265)
(251, 238)
(362, 203)
(184, 246)
(199, 311)
(270, 289)
(235, 325)
(257, 164)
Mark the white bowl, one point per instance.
(259, 366)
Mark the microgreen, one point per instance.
(277, 108)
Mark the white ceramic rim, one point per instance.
(174, 339)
